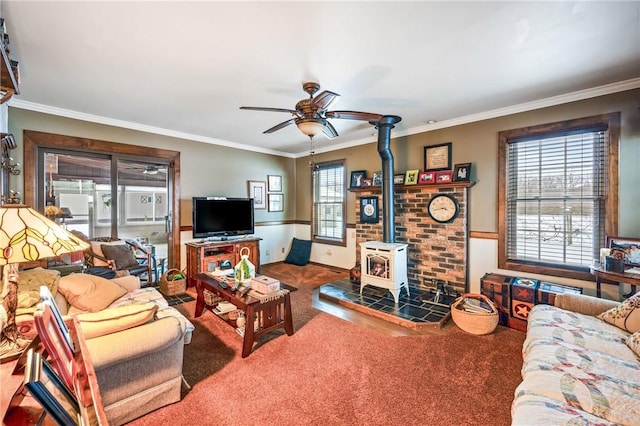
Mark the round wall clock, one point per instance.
(443, 208)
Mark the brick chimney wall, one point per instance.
(435, 250)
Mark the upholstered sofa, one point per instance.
(581, 363)
(135, 340)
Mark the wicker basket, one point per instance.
(478, 323)
(170, 285)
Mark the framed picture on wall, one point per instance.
(369, 210)
(274, 183)
(437, 157)
(257, 191)
(276, 202)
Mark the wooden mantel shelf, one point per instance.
(397, 187)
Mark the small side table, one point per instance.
(611, 277)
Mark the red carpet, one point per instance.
(332, 372)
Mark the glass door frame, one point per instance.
(35, 143)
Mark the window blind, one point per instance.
(328, 202)
(556, 193)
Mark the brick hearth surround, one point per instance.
(435, 250)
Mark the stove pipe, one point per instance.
(384, 127)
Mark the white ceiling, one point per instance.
(184, 68)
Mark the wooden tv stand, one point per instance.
(206, 256)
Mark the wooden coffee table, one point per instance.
(271, 313)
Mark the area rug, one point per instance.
(333, 372)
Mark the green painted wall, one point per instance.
(206, 169)
(478, 143)
(214, 170)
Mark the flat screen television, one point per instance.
(220, 217)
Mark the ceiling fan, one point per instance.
(153, 170)
(311, 115)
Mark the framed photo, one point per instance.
(369, 210)
(426, 178)
(48, 389)
(377, 178)
(398, 179)
(357, 177)
(625, 248)
(276, 202)
(443, 177)
(53, 340)
(274, 183)
(411, 177)
(258, 193)
(437, 157)
(462, 172)
(47, 298)
(367, 182)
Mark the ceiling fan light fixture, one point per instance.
(310, 127)
(150, 170)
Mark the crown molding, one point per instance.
(61, 112)
(593, 92)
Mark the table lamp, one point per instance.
(25, 236)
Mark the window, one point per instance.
(328, 212)
(558, 196)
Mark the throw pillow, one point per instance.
(121, 254)
(117, 319)
(633, 342)
(96, 247)
(626, 315)
(300, 252)
(29, 283)
(89, 292)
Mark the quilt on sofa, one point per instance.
(577, 369)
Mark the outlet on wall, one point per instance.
(267, 252)
(282, 249)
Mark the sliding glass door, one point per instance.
(103, 195)
(109, 188)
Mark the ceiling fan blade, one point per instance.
(354, 115)
(290, 111)
(330, 131)
(324, 99)
(280, 126)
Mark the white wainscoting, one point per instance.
(483, 256)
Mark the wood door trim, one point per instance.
(33, 141)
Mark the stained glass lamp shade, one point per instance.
(25, 236)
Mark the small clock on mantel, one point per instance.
(443, 208)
